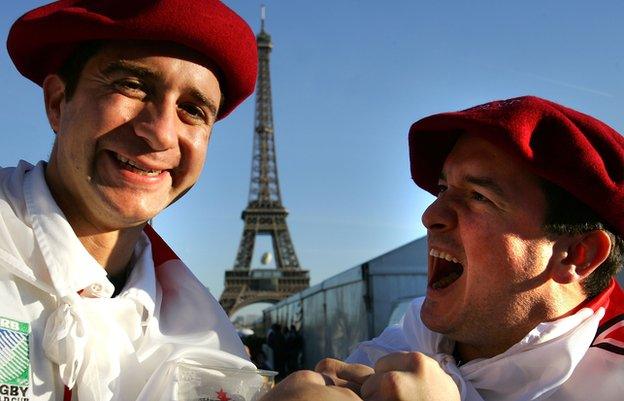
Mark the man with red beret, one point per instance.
(525, 238)
(93, 304)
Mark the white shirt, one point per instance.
(120, 348)
(575, 358)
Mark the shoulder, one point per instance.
(12, 182)
(598, 376)
(610, 333)
(394, 338)
(12, 178)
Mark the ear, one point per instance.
(54, 97)
(584, 254)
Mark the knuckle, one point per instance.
(326, 364)
(361, 370)
(416, 361)
(391, 382)
(302, 376)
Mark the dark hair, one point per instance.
(566, 215)
(72, 68)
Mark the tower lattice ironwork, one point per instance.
(265, 214)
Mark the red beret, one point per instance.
(42, 39)
(575, 151)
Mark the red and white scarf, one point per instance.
(550, 363)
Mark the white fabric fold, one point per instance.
(89, 338)
(537, 366)
(64, 339)
(532, 369)
(108, 348)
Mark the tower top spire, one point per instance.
(263, 38)
(262, 17)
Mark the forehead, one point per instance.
(471, 151)
(472, 157)
(139, 50)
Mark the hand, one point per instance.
(306, 385)
(409, 376)
(349, 375)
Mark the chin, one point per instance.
(427, 314)
(433, 318)
(435, 326)
(120, 217)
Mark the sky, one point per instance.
(349, 78)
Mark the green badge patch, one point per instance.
(14, 359)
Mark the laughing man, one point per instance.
(525, 238)
(93, 304)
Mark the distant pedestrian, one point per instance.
(277, 344)
(294, 349)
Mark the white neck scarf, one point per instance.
(163, 314)
(91, 337)
(532, 369)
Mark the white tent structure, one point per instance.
(354, 305)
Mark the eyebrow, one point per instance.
(481, 181)
(123, 66)
(126, 67)
(214, 109)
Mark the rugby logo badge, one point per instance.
(14, 360)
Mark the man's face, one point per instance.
(133, 137)
(487, 221)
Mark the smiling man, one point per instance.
(93, 304)
(525, 238)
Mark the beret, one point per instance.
(42, 39)
(576, 152)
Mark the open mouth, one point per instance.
(445, 269)
(136, 168)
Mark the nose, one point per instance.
(156, 124)
(439, 216)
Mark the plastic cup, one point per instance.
(213, 383)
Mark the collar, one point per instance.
(515, 374)
(610, 333)
(611, 299)
(70, 266)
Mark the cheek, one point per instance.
(110, 112)
(531, 256)
(479, 234)
(512, 262)
(491, 253)
(194, 152)
(74, 141)
(85, 120)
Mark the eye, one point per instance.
(193, 111)
(441, 189)
(131, 87)
(478, 197)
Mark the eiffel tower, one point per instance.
(265, 214)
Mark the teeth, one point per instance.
(443, 255)
(136, 167)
